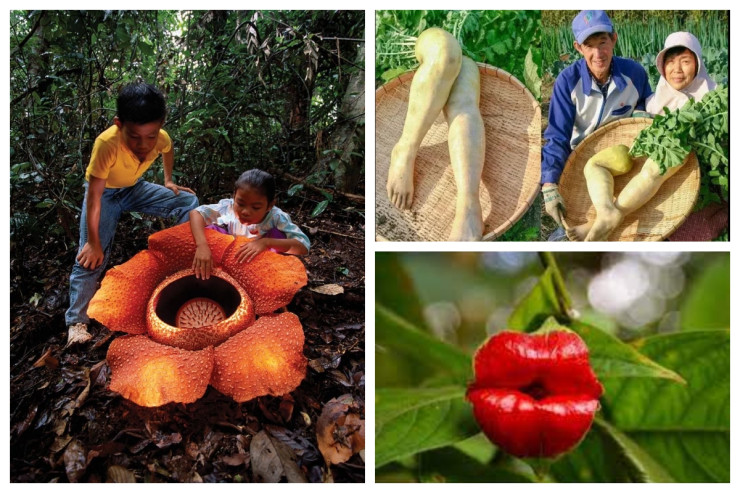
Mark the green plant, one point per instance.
(641, 37)
(507, 39)
(666, 396)
(702, 127)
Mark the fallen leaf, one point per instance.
(78, 334)
(328, 289)
(72, 405)
(316, 365)
(19, 428)
(340, 433)
(47, 360)
(162, 440)
(119, 474)
(271, 460)
(60, 426)
(59, 443)
(75, 463)
(356, 425)
(99, 373)
(286, 408)
(236, 460)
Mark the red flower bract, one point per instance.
(534, 395)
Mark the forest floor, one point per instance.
(67, 426)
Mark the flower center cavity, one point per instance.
(189, 302)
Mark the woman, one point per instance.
(684, 76)
(682, 72)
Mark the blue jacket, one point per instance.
(578, 107)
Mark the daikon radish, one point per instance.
(440, 57)
(467, 143)
(609, 212)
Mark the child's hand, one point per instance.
(91, 256)
(203, 262)
(250, 250)
(176, 188)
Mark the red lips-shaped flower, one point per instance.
(534, 395)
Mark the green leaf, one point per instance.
(685, 427)
(295, 189)
(592, 461)
(612, 358)
(538, 305)
(450, 465)
(478, 447)
(391, 74)
(395, 290)
(531, 78)
(45, 204)
(707, 305)
(320, 207)
(409, 421)
(643, 467)
(426, 353)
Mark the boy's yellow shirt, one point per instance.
(112, 161)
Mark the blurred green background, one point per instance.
(466, 296)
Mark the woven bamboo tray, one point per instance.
(655, 220)
(511, 173)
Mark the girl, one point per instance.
(682, 74)
(251, 213)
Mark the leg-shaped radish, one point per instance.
(440, 56)
(467, 144)
(599, 172)
(634, 195)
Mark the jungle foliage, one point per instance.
(281, 91)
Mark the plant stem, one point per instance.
(564, 303)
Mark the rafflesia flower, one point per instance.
(534, 395)
(187, 333)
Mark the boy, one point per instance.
(120, 155)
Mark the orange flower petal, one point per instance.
(151, 374)
(175, 246)
(120, 303)
(266, 358)
(271, 279)
(165, 331)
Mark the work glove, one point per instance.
(554, 205)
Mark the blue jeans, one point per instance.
(142, 197)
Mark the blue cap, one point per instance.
(589, 22)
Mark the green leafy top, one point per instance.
(702, 127)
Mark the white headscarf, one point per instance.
(667, 96)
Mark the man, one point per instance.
(595, 90)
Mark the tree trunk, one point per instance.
(299, 93)
(348, 137)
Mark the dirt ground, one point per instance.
(67, 426)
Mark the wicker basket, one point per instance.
(655, 220)
(511, 172)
